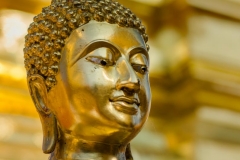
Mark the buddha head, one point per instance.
(87, 66)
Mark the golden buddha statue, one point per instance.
(87, 67)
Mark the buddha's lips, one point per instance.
(126, 105)
(125, 99)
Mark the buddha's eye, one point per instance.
(143, 69)
(100, 61)
(104, 62)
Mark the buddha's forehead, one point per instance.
(122, 37)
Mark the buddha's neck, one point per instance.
(76, 149)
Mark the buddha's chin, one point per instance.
(123, 116)
(107, 135)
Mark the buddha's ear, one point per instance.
(39, 94)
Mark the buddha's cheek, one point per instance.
(88, 89)
(59, 104)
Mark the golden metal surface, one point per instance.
(88, 78)
(50, 28)
(192, 81)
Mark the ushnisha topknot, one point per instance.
(46, 35)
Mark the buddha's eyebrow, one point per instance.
(137, 50)
(100, 43)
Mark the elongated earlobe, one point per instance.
(49, 126)
(38, 92)
(128, 153)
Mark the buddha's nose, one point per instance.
(128, 80)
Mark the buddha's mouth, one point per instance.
(125, 104)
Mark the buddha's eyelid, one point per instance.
(139, 50)
(95, 45)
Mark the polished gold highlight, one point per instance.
(47, 34)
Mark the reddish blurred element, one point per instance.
(194, 72)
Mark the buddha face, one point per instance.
(103, 91)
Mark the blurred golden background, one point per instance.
(195, 80)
